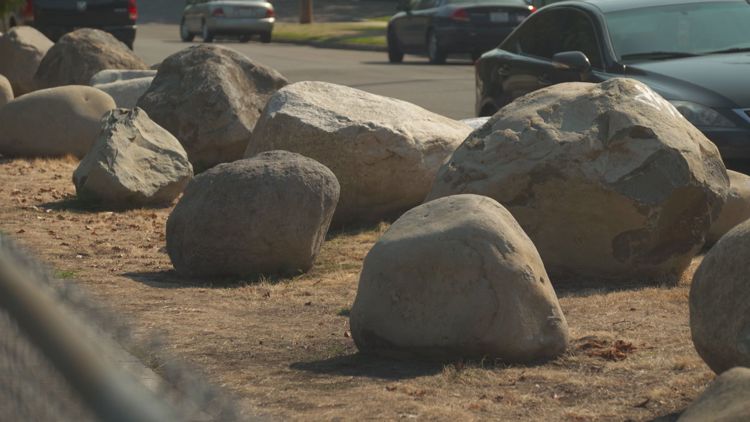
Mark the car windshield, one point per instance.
(663, 32)
(503, 2)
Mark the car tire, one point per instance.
(265, 37)
(434, 53)
(207, 35)
(395, 55)
(245, 38)
(185, 34)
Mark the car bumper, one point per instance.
(240, 25)
(124, 33)
(733, 144)
(471, 39)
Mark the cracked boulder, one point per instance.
(737, 208)
(385, 152)
(727, 399)
(457, 278)
(609, 181)
(53, 122)
(265, 215)
(79, 55)
(133, 163)
(210, 98)
(720, 302)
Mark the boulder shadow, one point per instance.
(171, 279)
(77, 205)
(360, 365)
(566, 287)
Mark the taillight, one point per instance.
(460, 15)
(532, 9)
(132, 10)
(28, 10)
(218, 12)
(270, 13)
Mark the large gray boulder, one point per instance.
(720, 302)
(385, 152)
(126, 92)
(264, 215)
(115, 75)
(608, 180)
(21, 51)
(133, 163)
(727, 399)
(53, 122)
(6, 91)
(210, 98)
(457, 278)
(79, 55)
(735, 210)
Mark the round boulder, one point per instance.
(608, 180)
(133, 163)
(21, 51)
(115, 75)
(264, 215)
(457, 278)
(79, 55)
(727, 399)
(53, 122)
(210, 98)
(126, 92)
(720, 302)
(735, 210)
(6, 91)
(385, 152)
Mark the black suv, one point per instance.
(54, 18)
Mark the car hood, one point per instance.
(719, 80)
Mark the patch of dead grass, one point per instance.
(284, 345)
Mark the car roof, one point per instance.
(606, 6)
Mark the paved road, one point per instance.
(446, 89)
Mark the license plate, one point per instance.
(249, 12)
(499, 17)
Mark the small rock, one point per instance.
(727, 399)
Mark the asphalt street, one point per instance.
(444, 89)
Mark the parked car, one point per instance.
(443, 27)
(55, 18)
(240, 18)
(695, 53)
(23, 16)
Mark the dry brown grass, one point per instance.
(283, 346)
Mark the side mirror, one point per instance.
(404, 5)
(574, 60)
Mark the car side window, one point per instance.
(555, 31)
(426, 4)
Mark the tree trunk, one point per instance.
(306, 11)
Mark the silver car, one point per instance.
(240, 18)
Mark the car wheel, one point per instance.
(435, 54)
(185, 34)
(265, 37)
(395, 55)
(245, 38)
(206, 33)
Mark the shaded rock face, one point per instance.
(53, 122)
(737, 208)
(210, 98)
(720, 302)
(79, 55)
(21, 51)
(727, 399)
(115, 75)
(126, 92)
(608, 180)
(6, 91)
(133, 163)
(457, 278)
(264, 215)
(385, 152)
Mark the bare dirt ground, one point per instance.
(284, 348)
